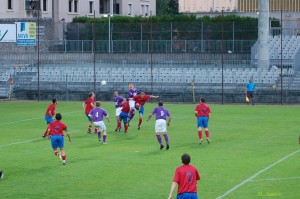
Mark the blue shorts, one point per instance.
(187, 196)
(88, 117)
(57, 141)
(123, 116)
(203, 122)
(141, 110)
(48, 119)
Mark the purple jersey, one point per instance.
(132, 92)
(97, 114)
(118, 101)
(160, 113)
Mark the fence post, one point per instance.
(233, 37)
(141, 37)
(202, 43)
(171, 33)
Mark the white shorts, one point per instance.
(101, 125)
(160, 126)
(118, 111)
(131, 103)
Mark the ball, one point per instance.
(103, 82)
(137, 105)
(1, 175)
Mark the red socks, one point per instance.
(140, 121)
(89, 128)
(126, 128)
(200, 135)
(56, 153)
(64, 157)
(119, 125)
(207, 134)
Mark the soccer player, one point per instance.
(202, 112)
(124, 114)
(186, 177)
(97, 115)
(131, 93)
(299, 140)
(140, 100)
(161, 114)
(88, 105)
(250, 91)
(118, 101)
(56, 130)
(50, 112)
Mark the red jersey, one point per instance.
(57, 128)
(186, 177)
(51, 110)
(125, 107)
(202, 110)
(141, 101)
(88, 105)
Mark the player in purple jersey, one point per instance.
(131, 93)
(97, 115)
(118, 101)
(162, 114)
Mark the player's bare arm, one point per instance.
(108, 120)
(174, 184)
(196, 113)
(149, 117)
(169, 120)
(68, 135)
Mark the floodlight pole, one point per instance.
(281, 49)
(38, 51)
(222, 49)
(151, 51)
(94, 51)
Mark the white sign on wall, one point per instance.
(26, 33)
(8, 32)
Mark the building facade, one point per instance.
(68, 9)
(275, 5)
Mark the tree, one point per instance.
(161, 7)
(173, 7)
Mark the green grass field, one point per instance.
(244, 159)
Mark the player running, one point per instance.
(140, 101)
(56, 130)
(97, 115)
(50, 112)
(202, 112)
(131, 93)
(118, 101)
(161, 114)
(88, 105)
(124, 114)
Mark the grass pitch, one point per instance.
(241, 162)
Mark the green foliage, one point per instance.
(245, 140)
(173, 8)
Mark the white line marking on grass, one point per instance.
(256, 174)
(275, 179)
(29, 119)
(26, 141)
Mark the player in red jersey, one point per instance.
(299, 140)
(124, 114)
(140, 101)
(50, 112)
(186, 177)
(56, 130)
(88, 105)
(202, 112)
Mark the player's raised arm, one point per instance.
(154, 96)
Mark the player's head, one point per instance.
(98, 104)
(54, 101)
(160, 103)
(130, 86)
(142, 94)
(91, 94)
(186, 158)
(202, 100)
(116, 93)
(58, 116)
(251, 80)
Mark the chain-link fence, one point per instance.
(178, 61)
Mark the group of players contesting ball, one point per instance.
(125, 111)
